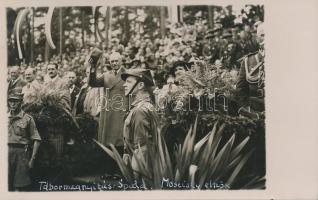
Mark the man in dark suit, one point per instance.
(114, 104)
(16, 81)
(74, 90)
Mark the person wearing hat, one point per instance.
(142, 121)
(251, 96)
(22, 135)
(231, 51)
(179, 68)
(207, 50)
(248, 42)
(135, 63)
(214, 36)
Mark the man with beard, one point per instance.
(22, 135)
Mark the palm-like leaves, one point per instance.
(196, 163)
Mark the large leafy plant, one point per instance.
(50, 108)
(212, 158)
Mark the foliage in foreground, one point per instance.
(210, 159)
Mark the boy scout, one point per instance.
(141, 122)
(22, 132)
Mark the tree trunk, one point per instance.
(83, 27)
(32, 39)
(47, 52)
(162, 21)
(126, 27)
(107, 25)
(211, 17)
(61, 31)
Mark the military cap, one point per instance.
(257, 23)
(260, 29)
(136, 59)
(218, 21)
(176, 64)
(227, 34)
(15, 94)
(180, 63)
(209, 35)
(215, 29)
(95, 55)
(143, 75)
(177, 41)
(209, 31)
(192, 60)
(146, 36)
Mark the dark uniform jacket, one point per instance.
(74, 94)
(141, 123)
(19, 83)
(250, 85)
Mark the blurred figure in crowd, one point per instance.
(74, 90)
(54, 83)
(15, 81)
(32, 87)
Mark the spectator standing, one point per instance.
(22, 135)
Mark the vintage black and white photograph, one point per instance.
(114, 98)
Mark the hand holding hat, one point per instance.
(95, 55)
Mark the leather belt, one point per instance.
(16, 145)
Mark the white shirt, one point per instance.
(72, 88)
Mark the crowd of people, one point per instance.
(89, 78)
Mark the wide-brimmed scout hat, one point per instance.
(141, 74)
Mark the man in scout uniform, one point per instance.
(142, 121)
(22, 134)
